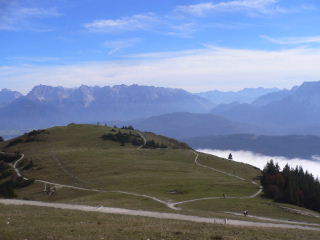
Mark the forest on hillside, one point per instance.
(291, 185)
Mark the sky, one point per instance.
(191, 44)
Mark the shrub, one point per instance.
(7, 190)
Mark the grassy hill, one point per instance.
(89, 169)
(77, 155)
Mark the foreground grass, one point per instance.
(38, 223)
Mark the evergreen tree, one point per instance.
(290, 185)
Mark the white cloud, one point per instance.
(293, 40)
(202, 9)
(135, 22)
(194, 70)
(259, 160)
(34, 59)
(117, 45)
(16, 17)
(185, 30)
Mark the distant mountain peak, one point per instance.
(7, 96)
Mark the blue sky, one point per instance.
(195, 45)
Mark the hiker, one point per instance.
(230, 157)
(245, 213)
(47, 189)
(52, 191)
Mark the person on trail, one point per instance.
(245, 213)
(47, 189)
(52, 191)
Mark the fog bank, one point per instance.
(260, 161)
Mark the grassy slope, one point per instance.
(77, 155)
(41, 223)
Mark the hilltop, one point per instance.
(125, 168)
(84, 156)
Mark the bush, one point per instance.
(21, 183)
(15, 142)
(123, 138)
(152, 144)
(9, 157)
(5, 174)
(35, 132)
(7, 190)
(128, 127)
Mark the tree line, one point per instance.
(153, 145)
(291, 185)
(123, 138)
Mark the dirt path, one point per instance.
(158, 215)
(58, 185)
(302, 212)
(275, 220)
(196, 160)
(214, 169)
(144, 140)
(213, 198)
(15, 165)
(171, 205)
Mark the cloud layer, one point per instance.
(201, 9)
(194, 70)
(16, 16)
(131, 23)
(260, 161)
(293, 40)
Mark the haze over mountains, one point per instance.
(296, 111)
(183, 125)
(247, 95)
(168, 111)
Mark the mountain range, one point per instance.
(288, 111)
(7, 96)
(167, 111)
(184, 125)
(247, 95)
(45, 105)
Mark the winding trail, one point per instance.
(169, 204)
(172, 205)
(144, 140)
(275, 220)
(196, 160)
(214, 169)
(16, 163)
(158, 215)
(58, 185)
(302, 212)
